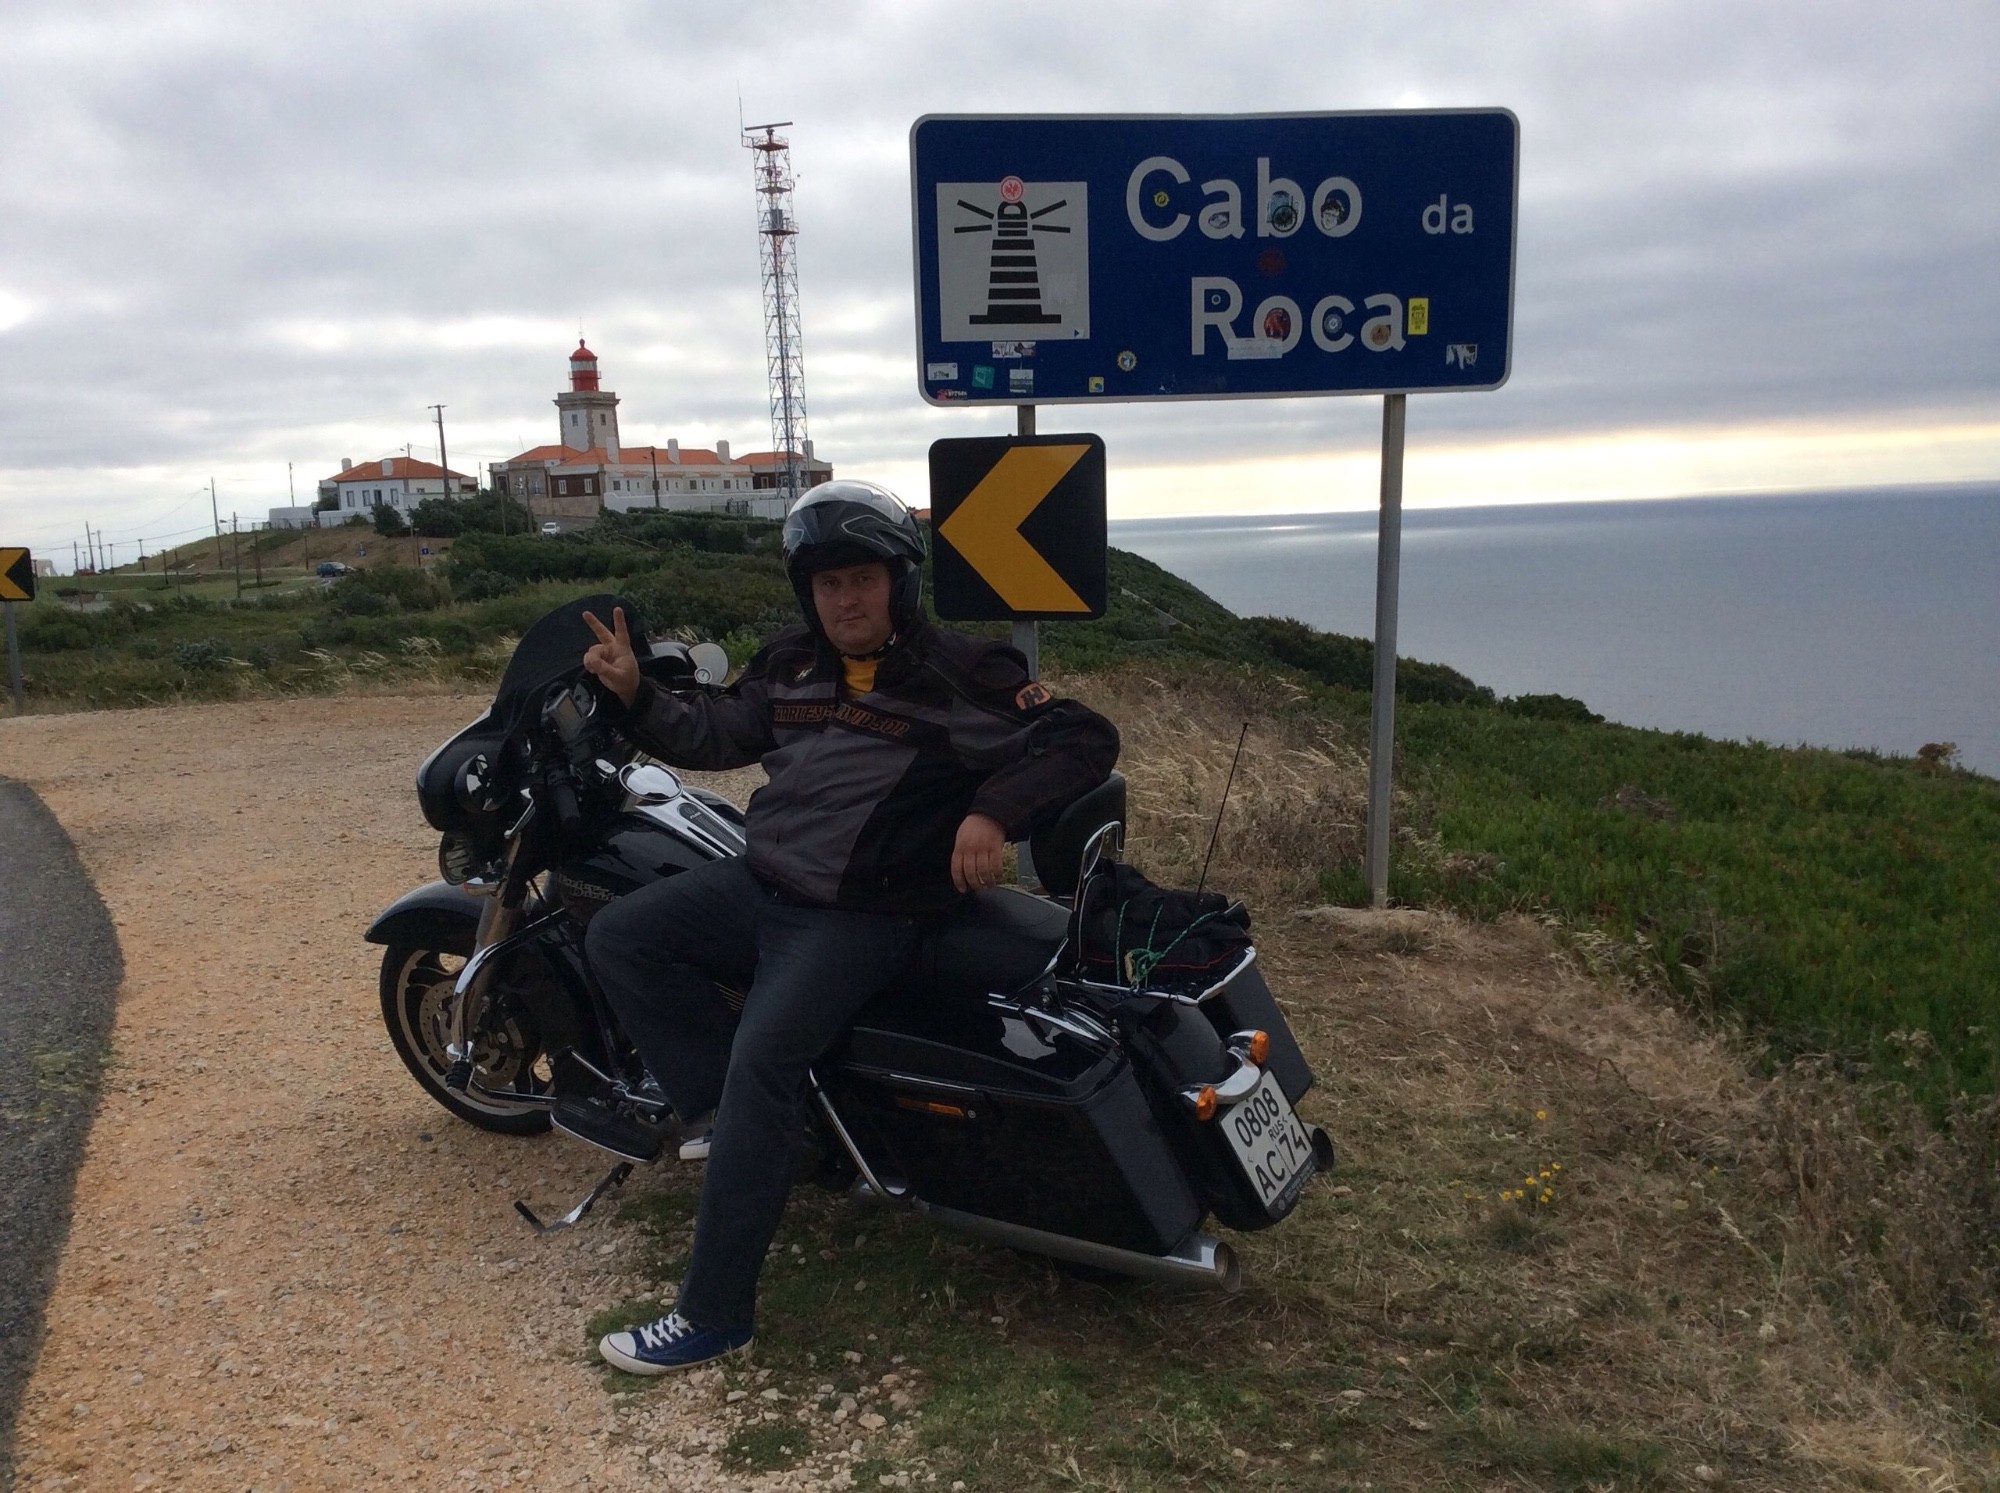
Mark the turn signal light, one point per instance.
(933, 1107)
(1204, 1102)
(1260, 1045)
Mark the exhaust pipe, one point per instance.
(1198, 1261)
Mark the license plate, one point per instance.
(1270, 1142)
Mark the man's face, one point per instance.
(853, 605)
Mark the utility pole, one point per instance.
(236, 550)
(444, 476)
(75, 564)
(257, 555)
(217, 512)
(654, 452)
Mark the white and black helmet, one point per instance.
(852, 523)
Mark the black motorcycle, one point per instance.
(994, 1087)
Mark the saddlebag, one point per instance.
(1011, 1118)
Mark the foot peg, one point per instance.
(608, 1130)
(613, 1178)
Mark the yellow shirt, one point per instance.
(858, 674)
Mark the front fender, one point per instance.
(436, 916)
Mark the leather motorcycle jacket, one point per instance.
(867, 791)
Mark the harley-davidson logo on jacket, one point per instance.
(866, 793)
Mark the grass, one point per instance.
(1408, 1327)
(1823, 899)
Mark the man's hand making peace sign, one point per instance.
(611, 657)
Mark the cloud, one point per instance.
(237, 235)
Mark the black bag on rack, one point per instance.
(1132, 933)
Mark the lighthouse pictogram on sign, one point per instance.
(1013, 256)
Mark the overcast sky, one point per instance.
(1758, 243)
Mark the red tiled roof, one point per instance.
(569, 456)
(399, 466)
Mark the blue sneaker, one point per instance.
(671, 1343)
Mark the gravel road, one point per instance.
(287, 1268)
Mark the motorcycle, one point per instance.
(994, 1087)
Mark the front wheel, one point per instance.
(416, 1007)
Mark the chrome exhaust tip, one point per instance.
(1198, 1260)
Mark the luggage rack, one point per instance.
(1108, 842)
(1178, 998)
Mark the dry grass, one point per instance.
(1724, 1279)
(1299, 802)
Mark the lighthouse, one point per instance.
(589, 414)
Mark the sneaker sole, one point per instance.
(633, 1365)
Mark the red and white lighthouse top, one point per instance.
(582, 368)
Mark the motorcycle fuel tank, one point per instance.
(633, 852)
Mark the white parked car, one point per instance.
(551, 529)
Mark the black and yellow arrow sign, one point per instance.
(1019, 525)
(17, 575)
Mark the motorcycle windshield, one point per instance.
(552, 648)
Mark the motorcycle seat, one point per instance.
(998, 940)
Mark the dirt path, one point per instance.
(287, 1267)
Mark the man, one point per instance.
(901, 760)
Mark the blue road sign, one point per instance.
(1065, 259)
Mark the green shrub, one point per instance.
(368, 593)
(1333, 658)
(358, 600)
(1550, 708)
(200, 656)
(480, 585)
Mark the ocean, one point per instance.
(1845, 619)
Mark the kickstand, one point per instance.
(609, 1180)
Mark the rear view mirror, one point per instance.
(711, 663)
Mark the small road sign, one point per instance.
(1019, 528)
(1070, 258)
(17, 575)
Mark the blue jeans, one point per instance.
(658, 953)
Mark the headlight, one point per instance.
(457, 859)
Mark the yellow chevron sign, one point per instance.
(1020, 524)
(17, 575)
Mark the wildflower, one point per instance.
(1541, 1114)
(1545, 1174)
(1555, 1166)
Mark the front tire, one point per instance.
(416, 1006)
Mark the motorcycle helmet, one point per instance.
(851, 523)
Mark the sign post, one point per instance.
(1028, 635)
(1068, 258)
(17, 583)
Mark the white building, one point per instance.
(590, 470)
(398, 482)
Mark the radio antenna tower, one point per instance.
(783, 353)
